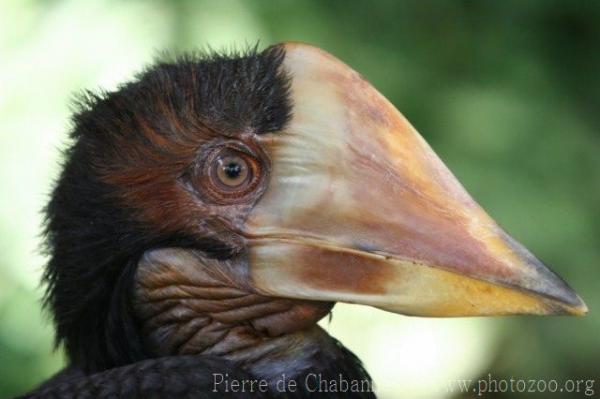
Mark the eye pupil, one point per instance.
(232, 170)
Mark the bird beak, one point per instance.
(360, 209)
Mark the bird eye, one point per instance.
(232, 171)
(228, 175)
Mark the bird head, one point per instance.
(248, 194)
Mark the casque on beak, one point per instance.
(360, 209)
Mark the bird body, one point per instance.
(213, 210)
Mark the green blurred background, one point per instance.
(507, 93)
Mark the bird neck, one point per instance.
(189, 304)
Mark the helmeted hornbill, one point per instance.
(213, 210)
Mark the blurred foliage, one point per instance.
(507, 93)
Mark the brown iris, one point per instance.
(232, 171)
(228, 175)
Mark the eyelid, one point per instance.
(202, 177)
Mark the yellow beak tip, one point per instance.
(580, 310)
(571, 309)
